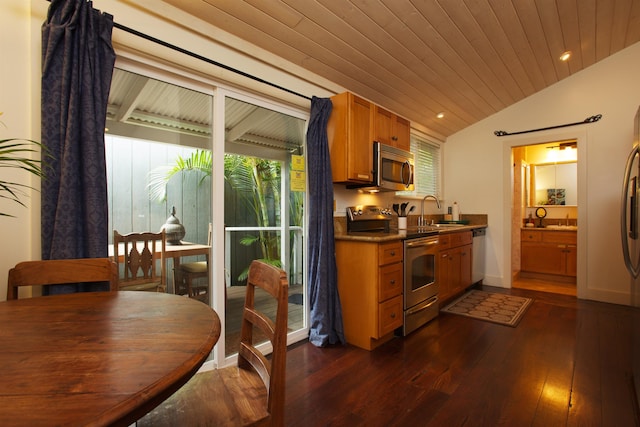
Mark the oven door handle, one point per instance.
(420, 243)
(422, 306)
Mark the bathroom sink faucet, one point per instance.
(428, 196)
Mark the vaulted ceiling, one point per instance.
(465, 58)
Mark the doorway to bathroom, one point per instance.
(545, 217)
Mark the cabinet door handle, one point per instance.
(392, 281)
(393, 315)
(393, 253)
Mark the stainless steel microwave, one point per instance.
(392, 169)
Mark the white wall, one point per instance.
(477, 167)
(20, 104)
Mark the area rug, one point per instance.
(497, 308)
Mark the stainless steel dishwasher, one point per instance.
(479, 257)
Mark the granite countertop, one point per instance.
(410, 232)
(552, 228)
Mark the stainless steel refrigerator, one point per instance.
(630, 229)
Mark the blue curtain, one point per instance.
(325, 309)
(77, 65)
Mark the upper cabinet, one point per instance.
(353, 126)
(391, 130)
(350, 143)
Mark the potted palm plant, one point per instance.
(16, 153)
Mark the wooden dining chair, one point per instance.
(186, 274)
(251, 393)
(61, 271)
(139, 254)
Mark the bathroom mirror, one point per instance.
(553, 184)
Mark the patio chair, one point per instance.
(251, 393)
(139, 254)
(186, 273)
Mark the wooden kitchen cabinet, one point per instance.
(370, 280)
(350, 139)
(391, 130)
(454, 264)
(353, 126)
(549, 252)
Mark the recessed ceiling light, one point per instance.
(440, 115)
(565, 55)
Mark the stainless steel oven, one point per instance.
(420, 284)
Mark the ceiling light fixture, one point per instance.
(565, 55)
(440, 115)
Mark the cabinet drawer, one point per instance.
(531, 236)
(390, 281)
(461, 239)
(390, 252)
(453, 240)
(568, 237)
(444, 241)
(390, 315)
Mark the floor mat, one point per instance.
(489, 306)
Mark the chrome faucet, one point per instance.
(428, 196)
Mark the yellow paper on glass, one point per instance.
(298, 181)
(297, 163)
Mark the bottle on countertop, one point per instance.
(455, 212)
(530, 223)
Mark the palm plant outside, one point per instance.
(257, 183)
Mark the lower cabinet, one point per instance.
(454, 264)
(370, 281)
(549, 252)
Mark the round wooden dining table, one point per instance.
(95, 359)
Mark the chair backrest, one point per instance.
(139, 253)
(272, 371)
(61, 271)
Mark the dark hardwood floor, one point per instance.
(567, 363)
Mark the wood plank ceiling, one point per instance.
(466, 58)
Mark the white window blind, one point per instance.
(427, 167)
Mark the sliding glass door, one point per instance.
(263, 214)
(164, 153)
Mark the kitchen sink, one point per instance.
(447, 225)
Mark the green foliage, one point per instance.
(15, 153)
(200, 161)
(256, 182)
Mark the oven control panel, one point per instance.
(368, 213)
(370, 219)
